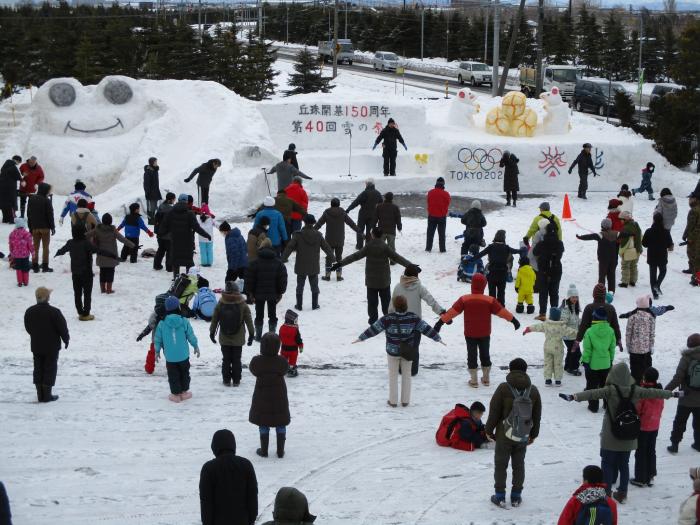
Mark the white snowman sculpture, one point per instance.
(464, 107)
(557, 114)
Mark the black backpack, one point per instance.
(81, 220)
(230, 318)
(693, 379)
(626, 424)
(595, 513)
(179, 285)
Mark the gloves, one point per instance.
(405, 147)
(527, 331)
(516, 323)
(374, 147)
(335, 267)
(157, 356)
(670, 308)
(53, 231)
(619, 345)
(250, 340)
(438, 325)
(569, 172)
(677, 394)
(150, 234)
(140, 336)
(212, 336)
(196, 352)
(301, 349)
(566, 397)
(60, 221)
(66, 345)
(526, 241)
(187, 180)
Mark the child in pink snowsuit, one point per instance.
(21, 251)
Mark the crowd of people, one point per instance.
(256, 278)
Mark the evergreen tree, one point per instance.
(258, 75)
(86, 70)
(669, 47)
(590, 38)
(308, 77)
(616, 51)
(624, 108)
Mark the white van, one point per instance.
(385, 61)
(476, 73)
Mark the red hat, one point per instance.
(614, 203)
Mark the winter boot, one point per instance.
(651, 197)
(175, 398)
(314, 301)
(499, 499)
(293, 372)
(281, 438)
(110, 290)
(35, 267)
(327, 277)
(48, 397)
(515, 203)
(473, 377)
(186, 395)
(620, 496)
(515, 499)
(300, 300)
(45, 268)
(103, 287)
(531, 308)
(485, 375)
(695, 447)
(264, 444)
(338, 275)
(673, 448)
(39, 394)
(258, 331)
(519, 308)
(272, 326)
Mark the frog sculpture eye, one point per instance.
(62, 94)
(118, 92)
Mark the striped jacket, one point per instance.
(399, 328)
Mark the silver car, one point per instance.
(385, 61)
(476, 73)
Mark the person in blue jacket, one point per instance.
(133, 224)
(646, 181)
(72, 201)
(236, 252)
(277, 232)
(173, 334)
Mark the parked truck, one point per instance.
(562, 76)
(346, 53)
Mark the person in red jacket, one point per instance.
(649, 411)
(32, 176)
(296, 192)
(589, 500)
(438, 204)
(478, 309)
(614, 214)
(291, 341)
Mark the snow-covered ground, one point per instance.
(113, 449)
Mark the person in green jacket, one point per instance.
(554, 331)
(614, 452)
(544, 214)
(630, 239)
(599, 343)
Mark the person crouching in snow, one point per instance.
(292, 343)
(270, 405)
(174, 334)
(462, 428)
(232, 318)
(649, 411)
(554, 331)
(399, 327)
(470, 265)
(206, 246)
(21, 250)
(590, 504)
(689, 508)
(646, 181)
(133, 224)
(525, 286)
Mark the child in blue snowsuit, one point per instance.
(133, 224)
(470, 265)
(646, 181)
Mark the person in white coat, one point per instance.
(689, 508)
(415, 293)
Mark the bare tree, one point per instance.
(670, 6)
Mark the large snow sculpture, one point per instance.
(464, 108)
(557, 114)
(513, 118)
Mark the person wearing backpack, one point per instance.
(83, 217)
(649, 411)
(621, 423)
(232, 318)
(514, 423)
(545, 213)
(690, 508)
(687, 379)
(590, 504)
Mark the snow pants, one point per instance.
(203, 194)
(130, 253)
(638, 365)
(394, 363)
(374, 295)
(554, 363)
(206, 253)
(338, 254)
(291, 356)
(82, 292)
(548, 289)
(231, 363)
(390, 240)
(614, 462)
(497, 289)
(645, 186)
(439, 224)
(607, 272)
(680, 421)
(645, 456)
(163, 252)
(178, 376)
(260, 311)
(45, 369)
(506, 452)
(482, 344)
(595, 379)
(572, 359)
(629, 271)
(524, 297)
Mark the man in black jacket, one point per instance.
(46, 327)
(181, 224)
(389, 219)
(151, 188)
(228, 488)
(584, 161)
(42, 225)
(163, 239)
(367, 200)
(390, 135)
(205, 173)
(266, 282)
(9, 177)
(335, 218)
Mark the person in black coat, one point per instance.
(367, 200)
(511, 184)
(390, 135)
(5, 514)
(163, 251)
(81, 251)
(151, 187)
(205, 173)
(291, 153)
(181, 224)
(228, 488)
(9, 177)
(549, 252)
(335, 218)
(266, 282)
(474, 223)
(584, 161)
(46, 327)
(499, 253)
(270, 406)
(607, 252)
(42, 225)
(658, 242)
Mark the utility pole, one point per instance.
(496, 45)
(486, 36)
(511, 48)
(260, 29)
(422, 30)
(641, 70)
(540, 35)
(199, 21)
(335, 39)
(346, 19)
(287, 40)
(447, 36)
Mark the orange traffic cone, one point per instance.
(566, 212)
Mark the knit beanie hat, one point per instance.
(643, 301)
(232, 287)
(614, 203)
(544, 206)
(269, 201)
(309, 219)
(605, 224)
(518, 364)
(554, 314)
(572, 291)
(599, 314)
(20, 222)
(182, 197)
(476, 204)
(609, 297)
(172, 303)
(693, 340)
(290, 317)
(440, 182)
(626, 216)
(599, 292)
(412, 271)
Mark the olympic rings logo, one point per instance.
(479, 158)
